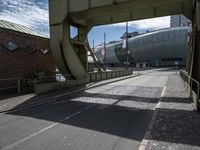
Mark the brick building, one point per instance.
(23, 51)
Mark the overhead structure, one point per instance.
(84, 14)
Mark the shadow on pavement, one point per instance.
(176, 126)
(120, 115)
(125, 116)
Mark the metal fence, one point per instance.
(10, 83)
(194, 87)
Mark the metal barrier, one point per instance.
(17, 84)
(194, 88)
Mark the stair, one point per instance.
(88, 49)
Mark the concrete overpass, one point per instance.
(84, 14)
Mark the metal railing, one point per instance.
(94, 76)
(59, 77)
(69, 80)
(99, 76)
(12, 84)
(194, 88)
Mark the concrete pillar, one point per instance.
(196, 45)
(82, 52)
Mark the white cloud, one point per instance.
(149, 24)
(35, 15)
(25, 12)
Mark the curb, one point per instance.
(71, 92)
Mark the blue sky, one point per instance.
(34, 14)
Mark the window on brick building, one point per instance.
(11, 46)
(45, 50)
(29, 48)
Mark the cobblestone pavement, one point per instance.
(10, 102)
(176, 126)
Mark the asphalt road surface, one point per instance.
(110, 117)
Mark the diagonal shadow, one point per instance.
(125, 121)
(111, 114)
(176, 126)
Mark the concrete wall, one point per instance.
(94, 77)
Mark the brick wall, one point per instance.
(21, 63)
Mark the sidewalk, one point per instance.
(29, 100)
(176, 126)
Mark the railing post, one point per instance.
(90, 77)
(95, 77)
(191, 85)
(197, 107)
(106, 75)
(18, 86)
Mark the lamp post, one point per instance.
(105, 50)
(127, 52)
(93, 46)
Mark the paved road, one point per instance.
(111, 117)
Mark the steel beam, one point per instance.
(196, 43)
(87, 13)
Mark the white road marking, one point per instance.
(29, 137)
(45, 129)
(146, 140)
(162, 94)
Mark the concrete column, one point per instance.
(196, 44)
(82, 52)
(65, 55)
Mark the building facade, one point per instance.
(23, 52)
(179, 20)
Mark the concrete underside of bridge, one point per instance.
(84, 14)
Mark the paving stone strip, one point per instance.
(175, 125)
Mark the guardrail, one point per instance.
(194, 87)
(7, 81)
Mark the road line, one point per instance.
(45, 129)
(146, 140)
(29, 137)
